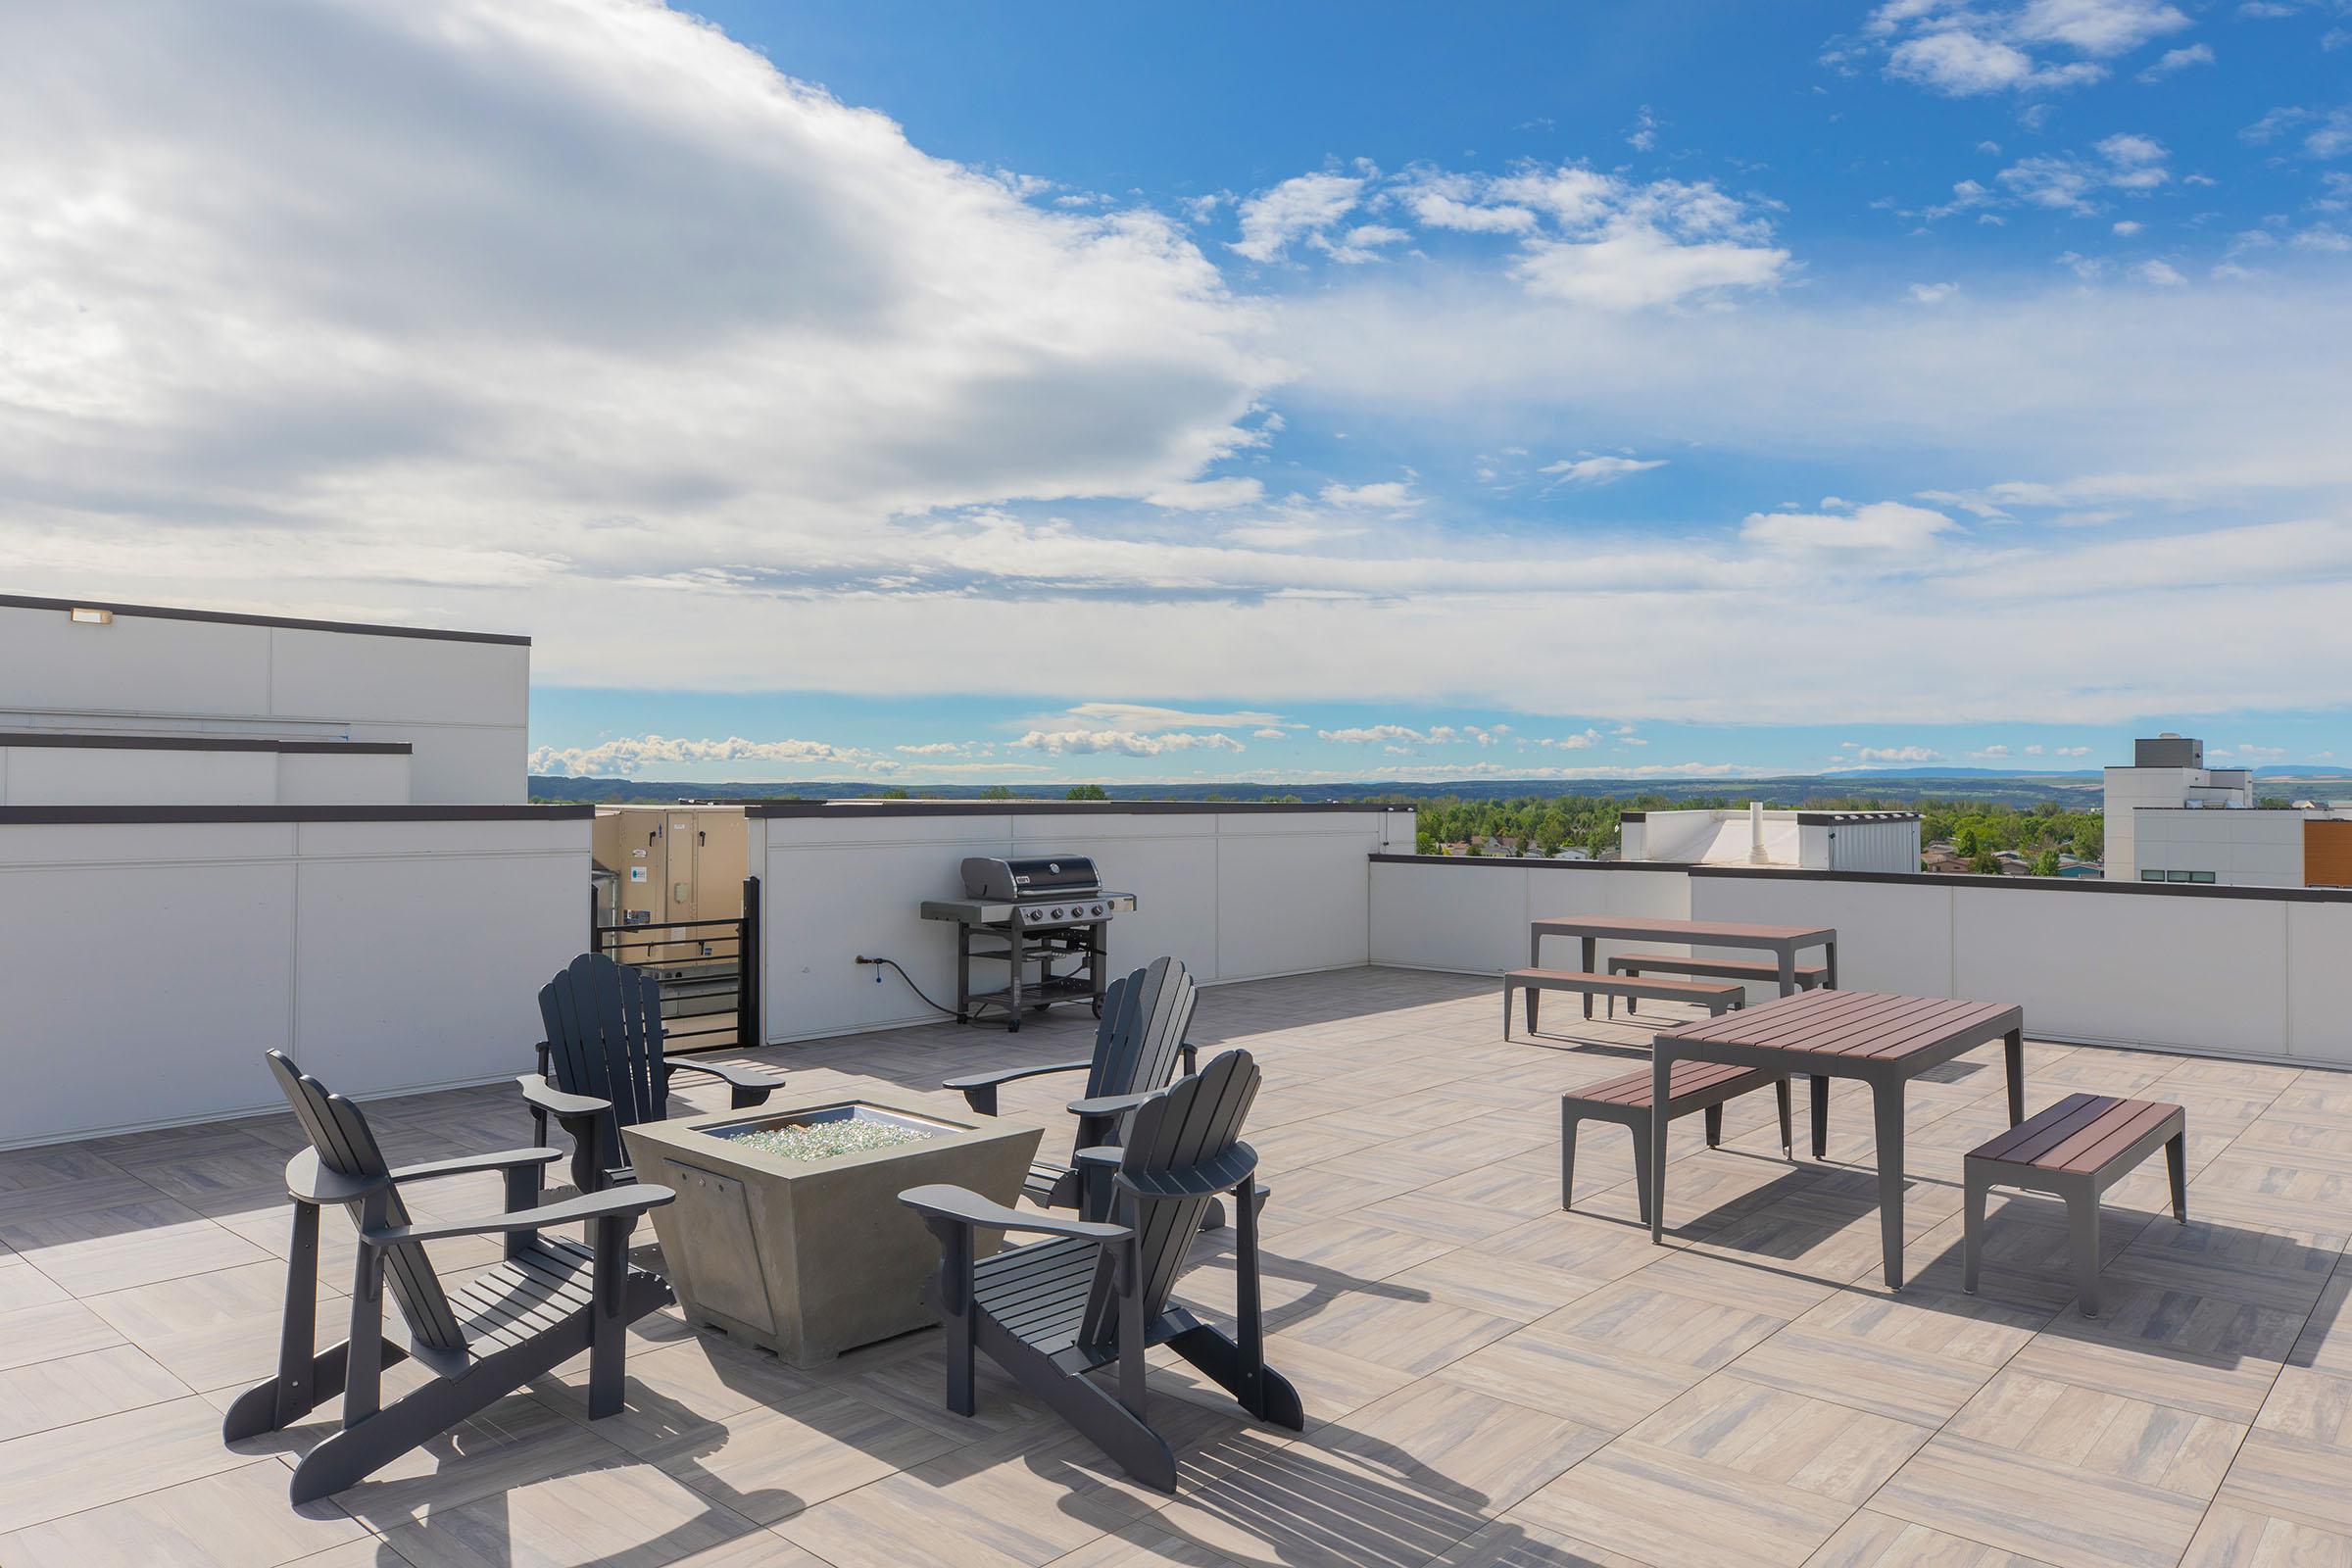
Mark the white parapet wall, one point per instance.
(461, 700)
(1237, 892)
(2233, 971)
(154, 954)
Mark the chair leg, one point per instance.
(2083, 1226)
(1568, 1121)
(2176, 1165)
(1779, 1092)
(1972, 1231)
(608, 1341)
(1714, 1126)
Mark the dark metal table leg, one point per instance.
(1817, 1088)
(1887, 1103)
(1661, 1071)
(2013, 1057)
(1590, 947)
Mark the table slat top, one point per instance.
(1861, 1025)
(1732, 932)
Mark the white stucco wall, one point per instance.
(463, 703)
(1235, 894)
(144, 775)
(2222, 973)
(151, 962)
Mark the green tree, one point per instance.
(2046, 863)
(1086, 792)
(1986, 863)
(894, 793)
(997, 792)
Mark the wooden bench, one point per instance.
(1716, 999)
(1693, 1085)
(1638, 963)
(2075, 1150)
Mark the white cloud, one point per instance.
(1598, 470)
(1898, 754)
(1890, 526)
(1602, 242)
(1270, 735)
(1645, 134)
(1375, 735)
(2177, 60)
(1273, 220)
(1581, 740)
(933, 749)
(1932, 293)
(1144, 719)
(369, 315)
(1209, 495)
(2160, 273)
(2127, 227)
(1123, 742)
(2074, 751)
(633, 754)
(1964, 52)
(2124, 162)
(1390, 494)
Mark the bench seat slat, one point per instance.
(1721, 968)
(1619, 985)
(1689, 1078)
(2078, 1134)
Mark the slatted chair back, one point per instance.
(1145, 1016)
(604, 1038)
(1183, 1148)
(346, 1147)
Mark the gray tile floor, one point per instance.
(1488, 1379)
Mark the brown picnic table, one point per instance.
(1781, 941)
(1883, 1039)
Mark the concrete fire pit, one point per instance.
(811, 1257)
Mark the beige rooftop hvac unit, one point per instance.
(670, 863)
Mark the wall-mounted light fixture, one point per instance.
(85, 617)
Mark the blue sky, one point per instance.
(987, 394)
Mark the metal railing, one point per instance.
(710, 973)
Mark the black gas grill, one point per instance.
(1045, 918)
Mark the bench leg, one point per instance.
(1644, 1171)
(2083, 1230)
(2176, 1165)
(1530, 994)
(1506, 1009)
(1714, 1126)
(1821, 1116)
(1568, 1121)
(1592, 946)
(1779, 1092)
(1972, 1234)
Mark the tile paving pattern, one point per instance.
(1491, 1382)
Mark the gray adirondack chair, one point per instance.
(602, 1067)
(1097, 1294)
(1138, 1044)
(547, 1301)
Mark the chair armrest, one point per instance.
(740, 1077)
(548, 1098)
(963, 1206)
(989, 1080)
(1109, 1104)
(613, 1200)
(502, 1159)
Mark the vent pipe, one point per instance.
(1756, 834)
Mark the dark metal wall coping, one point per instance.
(2024, 884)
(200, 743)
(848, 809)
(19, 816)
(228, 617)
(1733, 813)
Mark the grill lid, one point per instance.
(1035, 876)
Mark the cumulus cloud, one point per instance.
(1888, 526)
(1896, 753)
(370, 313)
(2178, 60)
(2070, 183)
(633, 754)
(1145, 718)
(1123, 742)
(1932, 293)
(1598, 470)
(1309, 203)
(2043, 45)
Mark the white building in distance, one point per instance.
(1776, 840)
(2171, 818)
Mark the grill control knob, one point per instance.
(1056, 915)
(1097, 911)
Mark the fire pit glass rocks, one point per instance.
(787, 1231)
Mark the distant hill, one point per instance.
(1895, 785)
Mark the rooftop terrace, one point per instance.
(1488, 1380)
